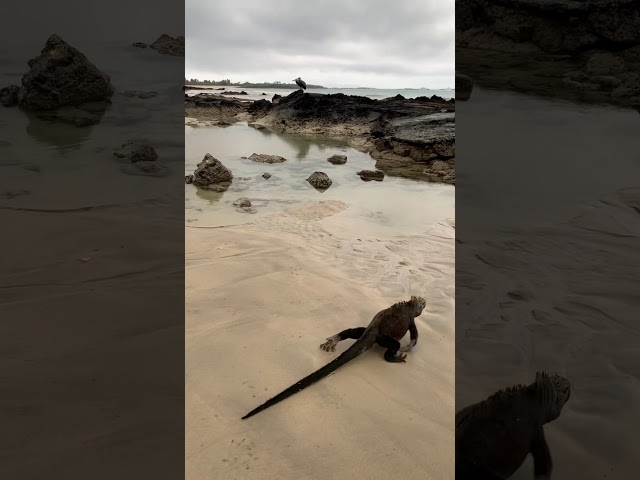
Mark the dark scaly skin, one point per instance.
(493, 437)
(386, 329)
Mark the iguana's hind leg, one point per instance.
(392, 354)
(330, 344)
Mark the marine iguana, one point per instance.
(493, 437)
(386, 329)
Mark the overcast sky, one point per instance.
(334, 43)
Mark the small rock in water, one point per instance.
(188, 179)
(319, 180)
(139, 44)
(368, 175)
(140, 95)
(266, 175)
(243, 202)
(137, 152)
(262, 158)
(9, 95)
(337, 159)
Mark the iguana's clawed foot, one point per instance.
(329, 345)
(398, 358)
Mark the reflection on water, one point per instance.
(394, 206)
(61, 136)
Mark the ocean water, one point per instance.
(374, 93)
(391, 207)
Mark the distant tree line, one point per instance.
(195, 81)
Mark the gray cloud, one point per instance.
(373, 43)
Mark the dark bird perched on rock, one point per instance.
(301, 83)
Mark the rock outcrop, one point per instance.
(62, 86)
(404, 135)
(213, 107)
(585, 51)
(425, 140)
(62, 76)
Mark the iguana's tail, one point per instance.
(361, 346)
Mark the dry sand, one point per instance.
(261, 297)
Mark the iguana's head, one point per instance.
(418, 304)
(554, 392)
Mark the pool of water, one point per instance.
(393, 206)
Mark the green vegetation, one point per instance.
(223, 83)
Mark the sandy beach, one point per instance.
(261, 297)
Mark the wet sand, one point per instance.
(261, 297)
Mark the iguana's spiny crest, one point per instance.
(552, 391)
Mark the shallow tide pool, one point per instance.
(393, 206)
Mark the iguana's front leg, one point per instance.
(542, 464)
(413, 333)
